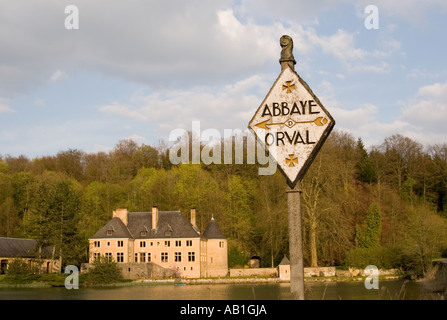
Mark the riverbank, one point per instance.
(58, 280)
(258, 280)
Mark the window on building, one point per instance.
(149, 259)
(178, 257)
(189, 243)
(120, 257)
(191, 256)
(142, 244)
(178, 243)
(136, 257)
(108, 256)
(143, 233)
(142, 257)
(164, 257)
(97, 244)
(109, 232)
(167, 243)
(96, 256)
(221, 244)
(120, 243)
(108, 243)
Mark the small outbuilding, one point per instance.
(27, 250)
(284, 269)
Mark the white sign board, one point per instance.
(292, 124)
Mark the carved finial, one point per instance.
(287, 58)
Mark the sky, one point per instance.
(139, 69)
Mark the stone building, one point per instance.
(142, 242)
(284, 269)
(40, 259)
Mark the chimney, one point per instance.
(123, 214)
(154, 217)
(193, 217)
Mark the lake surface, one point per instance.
(391, 289)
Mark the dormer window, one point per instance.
(143, 233)
(109, 232)
(168, 231)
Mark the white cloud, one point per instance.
(220, 107)
(437, 90)
(160, 44)
(58, 75)
(4, 107)
(136, 138)
(422, 118)
(427, 113)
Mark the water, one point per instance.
(392, 289)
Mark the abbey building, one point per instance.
(157, 243)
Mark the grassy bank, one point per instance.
(58, 280)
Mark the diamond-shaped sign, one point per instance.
(292, 124)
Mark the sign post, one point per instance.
(292, 124)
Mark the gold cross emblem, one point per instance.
(291, 160)
(288, 86)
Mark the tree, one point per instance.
(401, 158)
(270, 209)
(146, 157)
(194, 187)
(369, 235)
(124, 166)
(70, 162)
(329, 178)
(364, 168)
(426, 237)
(238, 210)
(9, 219)
(98, 202)
(438, 154)
(54, 218)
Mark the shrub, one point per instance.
(236, 257)
(20, 267)
(104, 271)
(382, 257)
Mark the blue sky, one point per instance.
(139, 69)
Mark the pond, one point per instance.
(352, 290)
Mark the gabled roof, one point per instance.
(22, 248)
(171, 224)
(285, 261)
(212, 231)
(115, 228)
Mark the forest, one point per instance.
(385, 205)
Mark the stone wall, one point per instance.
(254, 272)
(353, 272)
(319, 272)
(139, 270)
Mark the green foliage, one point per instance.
(425, 239)
(369, 235)
(382, 257)
(364, 167)
(20, 267)
(236, 257)
(104, 271)
(62, 200)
